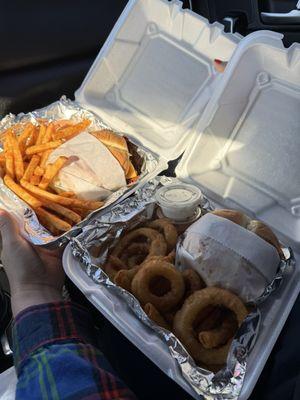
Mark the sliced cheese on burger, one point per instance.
(92, 172)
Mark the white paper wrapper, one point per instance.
(229, 256)
(92, 172)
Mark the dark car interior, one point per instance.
(46, 49)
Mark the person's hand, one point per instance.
(35, 275)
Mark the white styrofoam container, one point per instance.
(274, 314)
(244, 153)
(154, 75)
(153, 79)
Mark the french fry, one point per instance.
(62, 123)
(51, 171)
(25, 135)
(34, 162)
(9, 158)
(54, 220)
(35, 180)
(71, 131)
(2, 171)
(46, 224)
(41, 134)
(9, 165)
(18, 160)
(67, 194)
(81, 212)
(40, 148)
(63, 211)
(23, 194)
(32, 138)
(44, 158)
(65, 201)
(48, 134)
(2, 159)
(39, 171)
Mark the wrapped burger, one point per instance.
(231, 251)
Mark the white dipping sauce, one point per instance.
(178, 202)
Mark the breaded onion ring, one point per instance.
(144, 281)
(169, 231)
(186, 316)
(193, 281)
(113, 265)
(135, 254)
(155, 315)
(124, 277)
(218, 336)
(158, 245)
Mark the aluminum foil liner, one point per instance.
(105, 231)
(29, 224)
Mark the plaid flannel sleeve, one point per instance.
(56, 358)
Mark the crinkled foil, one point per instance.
(65, 109)
(105, 231)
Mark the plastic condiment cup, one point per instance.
(178, 202)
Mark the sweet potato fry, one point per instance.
(23, 194)
(2, 171)
(40, 148)
(18, 160)
(54, 220)
(51, 171)
(39, 171)
(34, 162)
(41, 134)
(71, 131)
(65, 201)
(44, 158)
(63, 211)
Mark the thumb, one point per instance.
(8, 227)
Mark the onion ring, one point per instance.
(113, 265)
(158, 269)
(169, 231)
(218, 336)
(193, 281)
(135, 254)
(124, 277)
(186, 316)
(158, 245)
(155, 315)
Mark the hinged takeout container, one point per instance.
(151, 81)
(152, 78)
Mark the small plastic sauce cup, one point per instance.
(178, 202)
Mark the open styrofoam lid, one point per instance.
(246, 149)
(154, 75)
